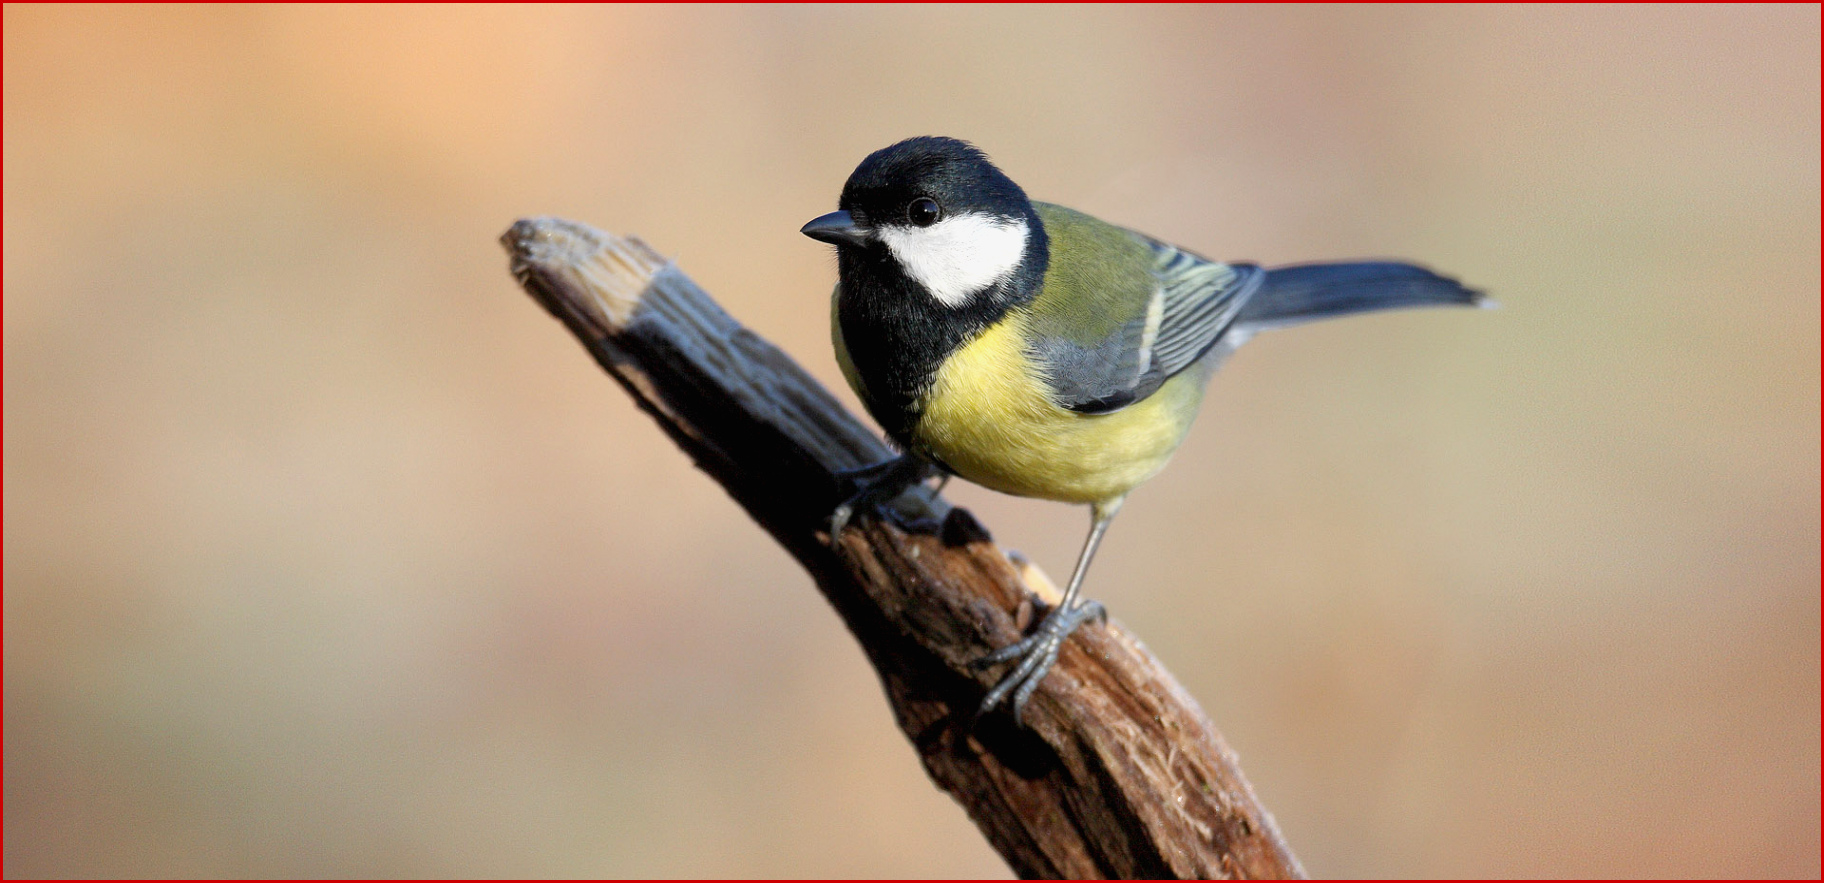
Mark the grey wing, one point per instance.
(1194, 302)
(1201, 299)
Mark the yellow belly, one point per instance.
(989, 417)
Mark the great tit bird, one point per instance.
(1038, 351)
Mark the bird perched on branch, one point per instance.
(1038, 351)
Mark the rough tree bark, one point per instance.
(1118, 773)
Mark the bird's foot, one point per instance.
(890, 481)
(1036, 653)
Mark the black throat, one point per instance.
(897, 334)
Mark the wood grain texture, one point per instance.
(1117, 772)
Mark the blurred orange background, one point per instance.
(328, 553)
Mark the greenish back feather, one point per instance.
(1098, 281)
(1119, 313)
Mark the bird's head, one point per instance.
(941, 212)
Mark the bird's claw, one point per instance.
(886, 482)
(1037, 653)
(839, 519)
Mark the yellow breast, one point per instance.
(990, 417)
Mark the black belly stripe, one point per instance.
(897, 334)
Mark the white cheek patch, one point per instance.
(959, 255)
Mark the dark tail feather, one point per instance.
(1305, 292)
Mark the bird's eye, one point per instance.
(922, 212)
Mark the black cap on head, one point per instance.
(953, 173)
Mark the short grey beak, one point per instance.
(837, 228)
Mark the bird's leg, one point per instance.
(880, 483)
(1039, 650)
